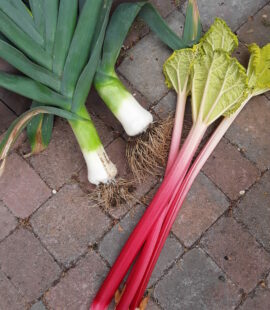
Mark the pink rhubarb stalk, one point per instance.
(136, 240)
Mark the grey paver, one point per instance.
(254, 210)
(234, 12)
(68, 223)
(166, 106)
(7, 116)
(10, 298)
(7, 221)
(256, 29)
(237, 253)
(21, 189)
(38, 306)
(230, 171)
(196, 283)
(203, 205)
(78, 287)
(144, 71)
(250, 131)
(259, 301)
(61, 160)
(27, 264)
(120, 233)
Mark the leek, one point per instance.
(59, 58)
(133, 117)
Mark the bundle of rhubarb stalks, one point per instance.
(219, 87)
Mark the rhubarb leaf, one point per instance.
(219, 37)
(259, 68)
(177, 69)
(219, 82)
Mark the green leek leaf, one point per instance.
(18, 60)
(33, 90)
(39, 130)
(21, 122)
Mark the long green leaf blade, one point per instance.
(18, 60)
(51, 14)
(117, 30)
(193, 27)
(65, 28)
(16, 35)
(39, 130)
(33, 90)
(158, 25)
(37, 9)
(21, 122)
(23, 10)
(23, 23)
(80, 45)
(86, 78)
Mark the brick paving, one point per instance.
(56, 246)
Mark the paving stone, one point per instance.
(6, 67)
(237, 253)
(251, 130)
(38, 306)
(166, 105)
(78, 287)
(120, 233)
(143, 66)
(7, 116)
(203, 205)
(27, 264)
(256, 28)
(21, 189)
(61, 160)
(259, 301)
(10, 298)
(234, 12)
(254, 210)
(7, 221)
(68, 223)
(194, 283)
(15, 102)
(152, 305)
(229, 170)
(242, 54)
(171, 252)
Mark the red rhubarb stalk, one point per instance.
(153, 212)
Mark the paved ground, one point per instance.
(55, 248)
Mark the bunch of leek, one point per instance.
(219, 87)
(58, 52)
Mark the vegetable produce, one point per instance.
(59, 53)
(133, 117)
(219, 87)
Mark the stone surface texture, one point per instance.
(56, 245)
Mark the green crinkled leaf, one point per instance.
(219, 37)
(219, 82)
(177, 69)
(259, 68)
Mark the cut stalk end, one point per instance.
(133, 117)
(100, 168)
